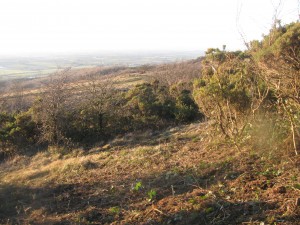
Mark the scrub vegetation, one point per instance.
(214, 140)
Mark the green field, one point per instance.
(30, 67)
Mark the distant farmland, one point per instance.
(32, 67)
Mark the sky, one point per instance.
(79, 26)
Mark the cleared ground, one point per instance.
(178, 176)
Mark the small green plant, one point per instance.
(151, 195)
(203, 197)
(196, 139)
(192, 201)
(114, 210)
(257, 195)
(138, 186)
(294, 178)
(297, 186)
(204, 165)
(209, 210)
(270, 172)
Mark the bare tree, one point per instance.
(97, 101)
(51, 107)
(16, 96)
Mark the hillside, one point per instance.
(214, 140)
(178, 176)
(121, 77)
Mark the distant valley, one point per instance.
(28, 67)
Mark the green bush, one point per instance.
(17, 131)
(238, 90)
(153, 105)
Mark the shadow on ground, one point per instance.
(181, 197)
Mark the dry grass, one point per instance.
(120, 77)
(193, 181)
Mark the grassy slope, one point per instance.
(29, 90)
(196, 181)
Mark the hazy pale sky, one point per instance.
(67, 26)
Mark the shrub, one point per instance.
(17, 131)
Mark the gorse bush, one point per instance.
(278, 58)
(62, 117)
(153, 105)
(239, 90)
(186, 108)
(227, 90)
(17, 131)
(149, 104)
